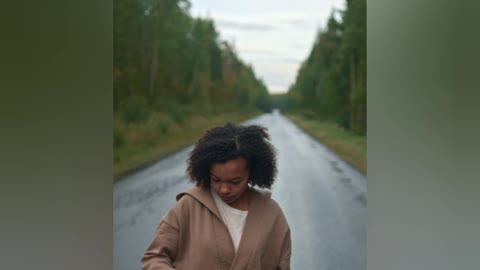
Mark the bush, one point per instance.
(163, 128)
(135, 110)
(170, 107)
(119, 139)
(309, 114)
(176, 113)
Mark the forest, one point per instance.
(174, 76)
(331, 83)
(165, 58)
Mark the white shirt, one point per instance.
(233, 218)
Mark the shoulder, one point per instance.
(195, 199)
(180, 212)
(270, 212)
(265, 196)
(185, 201)
(270, 205)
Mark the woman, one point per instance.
(224, 222)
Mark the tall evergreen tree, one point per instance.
(332, 80)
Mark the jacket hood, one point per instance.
(202, 195)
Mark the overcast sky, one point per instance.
(275, 36)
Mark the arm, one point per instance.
(284, 263)
(161, 253)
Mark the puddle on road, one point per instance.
(345, 180)
(335, 166)
(361, 198)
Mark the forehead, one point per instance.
(230, 168)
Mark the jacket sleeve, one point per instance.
(284, 263)
(161, 253)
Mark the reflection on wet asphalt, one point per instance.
(323, 198)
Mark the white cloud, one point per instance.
(245, 26)
(275, 36)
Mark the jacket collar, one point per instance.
(203, 195)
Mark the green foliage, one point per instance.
(163, 128)
(309, 114)
(135, 110)
(161, 52)
(264, 103)
(279, 101)
(170, 68)
(170, 106)
(350, 146)
(331, 82)
(176, 113)
(119, 139)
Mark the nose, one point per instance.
(224, 190)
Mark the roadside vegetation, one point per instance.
(347, 145)
(142, 143)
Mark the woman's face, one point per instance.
(230, 181)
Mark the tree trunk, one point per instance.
(353, 104)
(154, 63)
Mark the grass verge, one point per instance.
(350, 147)
(138, 145)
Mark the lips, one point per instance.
(227, 199)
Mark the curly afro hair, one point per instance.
(221, 144)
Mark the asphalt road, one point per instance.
(323, 198)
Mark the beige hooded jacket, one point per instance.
(192, 236)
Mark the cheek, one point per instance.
(242, 186)
(214, 186)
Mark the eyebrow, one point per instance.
(235, 178)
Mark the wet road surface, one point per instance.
(322, 197)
